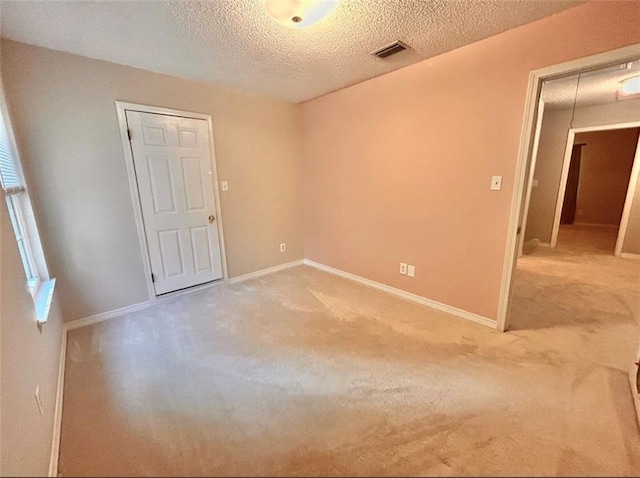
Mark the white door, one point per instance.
(172, 160)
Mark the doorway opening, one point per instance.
(599, 191)
(581, 192)
(572, 265)
(572, 104)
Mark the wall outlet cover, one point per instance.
(225, 186)
(283, 247)
(403, 268)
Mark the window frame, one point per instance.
(22, 239)
(19, 206)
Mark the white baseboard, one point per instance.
(233, 280)
(93, 319)
(57, 414)
(264, 272)
(406, 295)
(628, 255)
(590, 224)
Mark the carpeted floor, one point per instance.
(304, 373)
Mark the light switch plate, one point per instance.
(411, 271)
(225, 186)
(496, 183)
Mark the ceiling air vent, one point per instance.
(390, 49)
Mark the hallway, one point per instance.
(587, 240)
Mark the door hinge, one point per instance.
(153, 278)
(129, 133)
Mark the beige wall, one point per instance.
(398, 168)
(66, 127)
(605, 169)
(553, 140)
(28, 358)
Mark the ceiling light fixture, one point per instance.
(630, 86)
(299, 13)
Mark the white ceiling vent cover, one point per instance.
(390, 49)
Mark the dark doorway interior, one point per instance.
(569, 206)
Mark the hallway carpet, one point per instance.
(305, 373)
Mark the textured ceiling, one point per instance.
(594, 88)
(235, 43)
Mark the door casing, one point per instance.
(121, 108)
(520, 186)
(622, 229)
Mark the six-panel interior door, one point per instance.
(172, 159)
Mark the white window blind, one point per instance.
(22, 220)
(11, 183)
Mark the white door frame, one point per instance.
(566, 162)
(536, 77)
(121, 108)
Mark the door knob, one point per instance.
(212, 218)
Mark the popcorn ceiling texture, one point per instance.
(596, 88)
(235, 43)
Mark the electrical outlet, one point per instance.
(283, 247)
(411, 271)
(534, 183)
(403, 268)
(38, 400)
(225, 186)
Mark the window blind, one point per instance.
(11, 183)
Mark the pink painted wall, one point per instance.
(397, 168)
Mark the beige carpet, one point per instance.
(304, 373)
